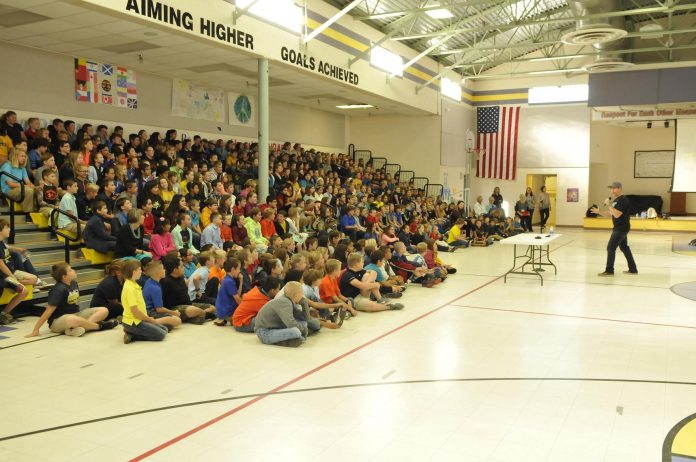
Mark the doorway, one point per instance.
(536, 181)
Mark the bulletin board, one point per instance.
(653, 164)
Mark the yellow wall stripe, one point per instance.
(339, 37)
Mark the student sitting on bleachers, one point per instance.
(63, 311)
(95, 234)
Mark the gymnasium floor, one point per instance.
(471, 370)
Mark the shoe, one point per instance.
(294, 343)
(393, 295)
(630, 272)
(395, 306)
(210, 315)
(127, 338)
(383, 301)
(606, 273)
(107, 325)
(342, 313)
(198, 320)
(6, 318)
(41, 284)
(75, 331)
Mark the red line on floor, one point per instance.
(680, 326)
(210, 422)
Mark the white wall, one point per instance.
(412, 141)
(43, 83)
(456, 119)
(612, 156)
(553, 140)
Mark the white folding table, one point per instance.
(537, 249)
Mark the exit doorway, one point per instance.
(536, 181)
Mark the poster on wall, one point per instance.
(101, 83)
(197, 102)
(242, 109)
(573, 195)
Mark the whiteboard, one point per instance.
(653, 164)
(685, 163)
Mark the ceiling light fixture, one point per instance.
(440, 13)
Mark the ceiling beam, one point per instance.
(239, 12)
(575, 56)
(332, 20)
(425, 9)
(566, 19)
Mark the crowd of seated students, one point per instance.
(192, 240)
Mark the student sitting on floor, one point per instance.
(63, 312)
(330, 315)
(152, 293)
(137, 325)
(481, 238)
(275, 324)
(228, 297)
(359, 284)
(329, 291)
(244, 316)
(388, 287)
(407, 270)
(419, 261)
(199, 279)
(176, 295)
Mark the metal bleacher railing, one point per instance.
(11, 202)
(403, 176)
(66, 235)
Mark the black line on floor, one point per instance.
(30, 341)
(134, 376)
(342, 387)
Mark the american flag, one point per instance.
(497, 136)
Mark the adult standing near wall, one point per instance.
(544, 207)
(522, 212)
(530, 199)
(617, 209)
(497, 197)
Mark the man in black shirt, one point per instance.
(618, 210)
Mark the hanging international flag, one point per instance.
(497, 141)
(105, 84)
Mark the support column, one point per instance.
(263, 129)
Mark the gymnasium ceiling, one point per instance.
(495, 38)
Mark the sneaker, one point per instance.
(107, 325)
(393, 295)
(342, 313)
(75, 331)
(127, 338)
(41, 284)
(430, 282)
(294, 343)
(383, 301)
(6, 318)
(395, 306)
(606, 273)
(631, 272)
(198, 320)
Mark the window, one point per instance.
(387, 61)
(560, 94)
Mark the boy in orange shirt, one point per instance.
(328, 287)
(226, 228)
(217, 273)
(253, 301)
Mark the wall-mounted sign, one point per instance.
(183, 19)
(310, 63)
(643, 114)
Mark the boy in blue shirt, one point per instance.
(152, 293)
(228, 296)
